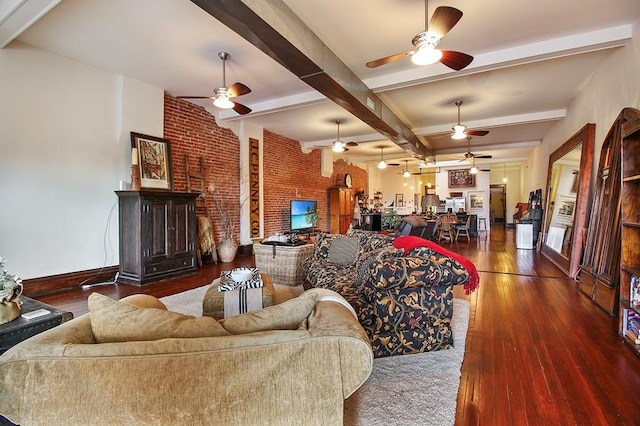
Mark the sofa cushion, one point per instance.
(365, 261)
(370, 240)
(116, 321)
(284, 316)
(343, 251)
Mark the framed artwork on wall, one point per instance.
(153, 156)
(461, 178)
(476, 200)
(399, 200)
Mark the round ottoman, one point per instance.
(213, 303)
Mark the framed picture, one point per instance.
(154, 159)
(399, 200)
(566, 207)
(476, 200)
(461, 178)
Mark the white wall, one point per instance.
(64, 148)
(613, 86)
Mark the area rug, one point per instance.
(419, 389)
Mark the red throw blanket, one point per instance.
(409, 242)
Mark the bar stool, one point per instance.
(482, 225)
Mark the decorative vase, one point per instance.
(227, 250)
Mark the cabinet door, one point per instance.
(158, 232)
(180, 228)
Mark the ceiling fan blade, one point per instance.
(238, 89)
(455, 60)
(352, 144)
(392, 58)
(443, 19)
(483, 156)
(484, 170)
(477, 132)
(241, 109)
(194, 97)
(393, 164)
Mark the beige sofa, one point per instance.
(280, 377)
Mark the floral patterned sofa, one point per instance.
(403, 296)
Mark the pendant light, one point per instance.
(504, 178)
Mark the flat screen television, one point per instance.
(300, 220)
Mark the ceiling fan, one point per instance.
(338, 145)
(444, 18)
(222, 95)
(460, 130)
(468, 154)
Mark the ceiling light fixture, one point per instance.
(427, 53)
(458, 129)
(504, 178)
(338, 145)
(406, 173)
(474, 170)
(222, 100)
(382, 164)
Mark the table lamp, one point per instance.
(429, 201)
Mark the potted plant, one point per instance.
(227, 247)
(10, 291)
(390, 219)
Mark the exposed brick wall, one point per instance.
(288, 172)
(194, 132)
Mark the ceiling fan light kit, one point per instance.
(382, 164)
(338, 146)
(426, 53)
(458, 132)
(444, 18)
(222, 100)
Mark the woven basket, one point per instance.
(283, 264)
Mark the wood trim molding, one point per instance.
(41, 286)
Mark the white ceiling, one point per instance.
(531, 59)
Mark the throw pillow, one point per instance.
(287, 315)
(343, 251)
(144, 301)
(115, 321)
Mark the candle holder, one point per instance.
(135, 177)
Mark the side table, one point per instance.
(282, 263)
(14, 332)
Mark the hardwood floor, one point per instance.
(538, 351)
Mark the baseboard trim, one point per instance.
(36, 287)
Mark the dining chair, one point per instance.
(464, 229)
(446, 227)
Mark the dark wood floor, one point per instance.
(538, 351)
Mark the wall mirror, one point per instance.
(567, 194)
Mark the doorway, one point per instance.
(498, 203)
